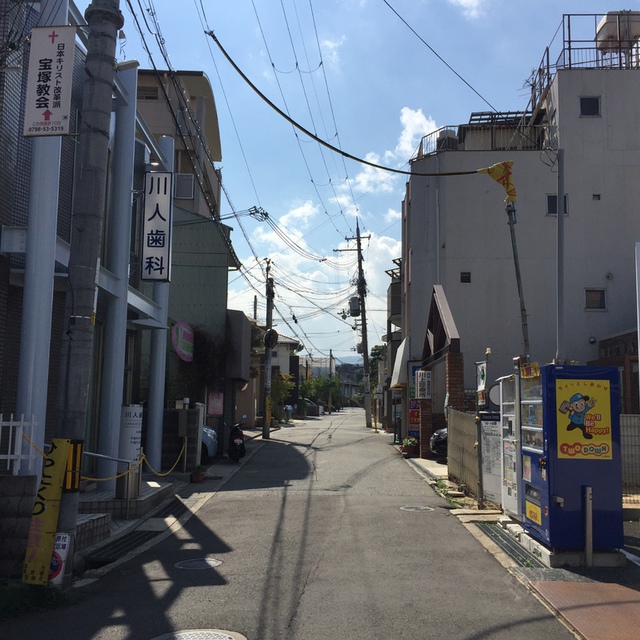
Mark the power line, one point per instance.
(320, 140)
(437, 55)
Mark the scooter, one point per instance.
(237, 449)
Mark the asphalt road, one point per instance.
(315, 541)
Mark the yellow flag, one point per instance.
(501, 172)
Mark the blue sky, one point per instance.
(356, 75)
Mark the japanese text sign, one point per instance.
(50, 81)
(156, 249)
(423, 385)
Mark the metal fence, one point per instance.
(462, 456)
(463, 460)
(12, 449)
(630, 448)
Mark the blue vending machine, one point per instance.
(570, 443)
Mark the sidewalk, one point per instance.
(597, 603)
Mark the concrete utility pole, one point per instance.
(268, 346)
(104, 20)
(330, 378)
(362, 292)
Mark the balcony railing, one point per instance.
(485, 136)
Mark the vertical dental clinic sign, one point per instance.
(50, 81)
(156, 249)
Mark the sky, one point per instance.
(367, 77)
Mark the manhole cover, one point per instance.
(202, 634)
(198, 563)
(409, 508)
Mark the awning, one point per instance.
(399, 375)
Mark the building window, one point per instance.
(146, 92)
(590, 106)
(465, 276)
(552, 204)
(595, 299)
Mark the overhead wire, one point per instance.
(299, 142)
(285, 235)
(188, 121)
(317, 99)
(308, 133)
(155, 31)
(437, 55)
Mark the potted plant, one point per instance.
(410, 446)
(197, 475)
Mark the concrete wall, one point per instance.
(17, 495)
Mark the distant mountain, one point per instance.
(350, 360)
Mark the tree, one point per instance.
(281, 386)
(376, 359)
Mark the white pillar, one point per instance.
(37, 303)
(157, 373)
(119, 231)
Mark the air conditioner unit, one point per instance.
(183, 186)
(447, 140)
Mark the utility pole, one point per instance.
(362, 292)
(269, 344)
(330, 377)
(104, 20)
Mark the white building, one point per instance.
(586, 102)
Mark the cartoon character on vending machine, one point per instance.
(576, 408)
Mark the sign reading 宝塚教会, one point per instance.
(50, 81)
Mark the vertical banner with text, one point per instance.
(156, 234)
(50, 81)
(44, 519)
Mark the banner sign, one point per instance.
(44, 519)
(215, 404)
(423, 385)
(131, 432)
(50, 81)
(182, 340)
(156, 234)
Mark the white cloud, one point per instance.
(370, 178)
(392, 215)
(300, 215)
(415, 125)
(470, 8)
(331, 51)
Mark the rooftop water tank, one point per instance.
(618, 30)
